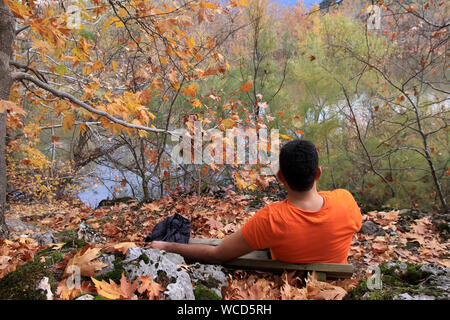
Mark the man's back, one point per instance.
(299, 236)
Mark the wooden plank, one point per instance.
(258, 260)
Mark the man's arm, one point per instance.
(231, 247)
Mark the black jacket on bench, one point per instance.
(173, 229)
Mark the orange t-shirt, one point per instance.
(299, 236)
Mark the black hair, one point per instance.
(299, 162)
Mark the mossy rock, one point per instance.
(163, 279)
(210, 282)
(66, 235)
(203, 293)
(144, 258)
(396, 278)
(74, 243)
(21, 284)
(115, 274)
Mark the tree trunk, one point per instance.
(7, 35)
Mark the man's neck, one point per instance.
(309, 200)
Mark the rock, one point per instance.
(434, 269)
(404, 211)
(170, 271)
(437, 281)
(44, 285)
(407, 296)
(369, 227)
(107, 259)
(45, 238)
(18, 225)
(380, 233)
(87, 233)
(403, 296)
(163, 266)
(209, 275)
(86, 297)
(180, 290)
(402, 266)
(366, 295)
(424, 297)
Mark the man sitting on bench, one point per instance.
(309, 226)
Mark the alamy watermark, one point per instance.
(373, 17)
(220, 149)
(374, 282)
(74, 18)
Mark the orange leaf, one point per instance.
(247, 86)
(68, 122)
(114, 291)
(152, 288)
(83, 259)
(190, 90)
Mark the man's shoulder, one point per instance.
(338, 193)
(272, 207)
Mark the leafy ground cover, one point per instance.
(400, 235)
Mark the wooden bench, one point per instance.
(258, 260)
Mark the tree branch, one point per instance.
(64, 95)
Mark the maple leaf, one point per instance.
(83, 259)
(318, 290)
(65, 292)
(151, 207)
(123, 247)
(289, 292)
(152, 288)
(68, 122)
(113, 291)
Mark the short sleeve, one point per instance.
(257, 231)
(355, 211)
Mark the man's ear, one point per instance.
(319, 173)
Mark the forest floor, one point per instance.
(390, 235)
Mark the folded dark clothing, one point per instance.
(173, 229)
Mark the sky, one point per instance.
(308, 3)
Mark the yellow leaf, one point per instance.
(190, 90)
(190, 43)
(196, 103)
(122, 12)
(68, 121)
(114, 66)
(97, 66)
(114, 291)
(228, 123)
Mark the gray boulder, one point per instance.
(163, 266)
(210, 275)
